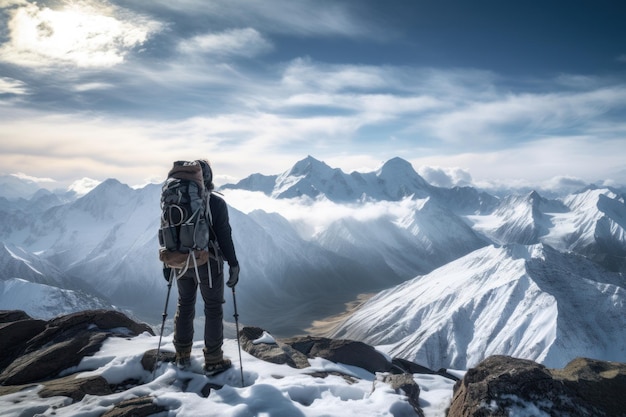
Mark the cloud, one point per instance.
(530, 164)
(83, 186)
(30, 178)
(236, 42)
(12, 86)
(304, 74)
(303, 18)
(311, 216)
(84, 34)
(445, 176)
(524, 116)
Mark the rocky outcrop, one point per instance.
(135, 407)
(278, 352)
(296, 351)
(35, 350)
(502, 386)
(407, 385)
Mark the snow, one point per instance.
(265, 338)
(43, 301)
(269, 389)
(518, 300)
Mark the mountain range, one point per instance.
(458, 273)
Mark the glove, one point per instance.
(166, 273)
(233, 276)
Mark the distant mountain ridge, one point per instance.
(309, 177)
(393, 181)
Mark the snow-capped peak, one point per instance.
(309, 166)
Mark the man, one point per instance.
(211, 288)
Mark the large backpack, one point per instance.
(184, 232)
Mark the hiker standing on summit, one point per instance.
(211, 288)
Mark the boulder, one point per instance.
(344, 351)
(403, 366)
(8, 316)
(599, 383)
(279, 352)
(149, 357)
(406, 384)
(15, 334)
(48, 361)
(294, 351)
(75, 388)
(135, 407)
(35, 350)
(503, 386)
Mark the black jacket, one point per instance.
(221, 228)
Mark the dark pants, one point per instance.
(213, 297)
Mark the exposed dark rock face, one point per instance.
(406, 384)
(69, 386)
(295, 351)
(148, 358)
(344, 351)
(599, 383)
(14, 335)
(279, 352)
(403, 366)
(35, 350)
(75, 388)
(8, 316)
(501, 385)
(135, 407)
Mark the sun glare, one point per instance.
(81, 34)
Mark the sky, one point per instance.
(484, 92)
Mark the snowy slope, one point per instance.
(526, 301)
(591, 222)
(104, 242)
(269, 389)
(596, 215)
(425, 238)
(45, 301)
(298, 280)
(13, 188)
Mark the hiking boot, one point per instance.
(215, 368)
(183, 360)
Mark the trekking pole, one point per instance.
(236, 316)
(167, 301)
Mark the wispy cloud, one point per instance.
(12, 86)
(303, 18)
(30, 178)
(527, 116)
(239, 42)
